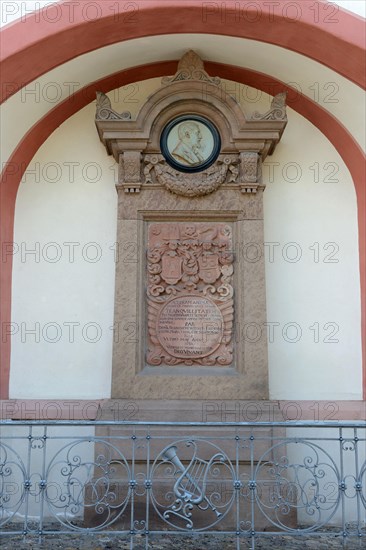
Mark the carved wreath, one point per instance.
(191, 185)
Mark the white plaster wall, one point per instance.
(73, 289)
(314, 284)
(312, 269)
(303, 292)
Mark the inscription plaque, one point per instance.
(190, 293)
(190, 327)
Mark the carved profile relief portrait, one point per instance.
(190, 143)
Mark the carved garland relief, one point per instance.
(190, 294)
(191, 185)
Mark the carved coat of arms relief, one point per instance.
(190, 294)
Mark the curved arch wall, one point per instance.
(344, 38)
(15, 9)
(76, 297)
(338, 42)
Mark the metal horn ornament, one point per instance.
(190, 486)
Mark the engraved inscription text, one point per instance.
(190, 327)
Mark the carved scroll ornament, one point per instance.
(277, 110)
(105, 111)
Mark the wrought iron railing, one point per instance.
(139, 479)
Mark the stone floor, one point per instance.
(169, 542)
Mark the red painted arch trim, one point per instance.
(337, 134)
(59, 33)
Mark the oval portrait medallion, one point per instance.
(190, 143)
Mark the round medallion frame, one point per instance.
(183, 142)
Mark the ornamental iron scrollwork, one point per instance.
(302, 479)
(361, 484)
(14, 483)
(76, 484)
(144, 479)
(197, 492)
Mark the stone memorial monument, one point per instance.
(190, 288)
(190, 283)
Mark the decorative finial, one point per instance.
(105, 111)
(191, 67)
(277, 110)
